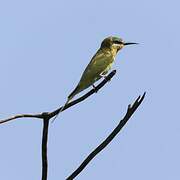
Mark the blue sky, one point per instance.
(45, 46)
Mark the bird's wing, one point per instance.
(97, 65)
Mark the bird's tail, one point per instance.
(70, 97)
(76, 91)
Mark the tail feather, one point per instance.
(76, 90)
(70, 97)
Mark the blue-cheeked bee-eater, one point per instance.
(99, 65)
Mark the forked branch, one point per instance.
(46, 116)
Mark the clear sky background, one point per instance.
(44, 48)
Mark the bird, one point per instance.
(99, 65)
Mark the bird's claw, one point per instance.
(105, 77)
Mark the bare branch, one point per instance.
(46, 116)
(49, 115)
(44, 149)
(131, 109)
(21, 116)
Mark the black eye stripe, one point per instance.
(117, 42)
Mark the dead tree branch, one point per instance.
(131, 109)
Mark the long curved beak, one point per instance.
(129, 43)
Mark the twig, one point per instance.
(49, 115)
(21, 116)
(131, 109)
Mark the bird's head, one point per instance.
(114, 43)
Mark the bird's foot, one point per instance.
(95, 88)
(105, 77)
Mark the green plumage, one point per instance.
(99, 65)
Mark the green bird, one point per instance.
(99, 65)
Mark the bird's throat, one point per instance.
(114, 51)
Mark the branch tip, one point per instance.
(141, 99)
